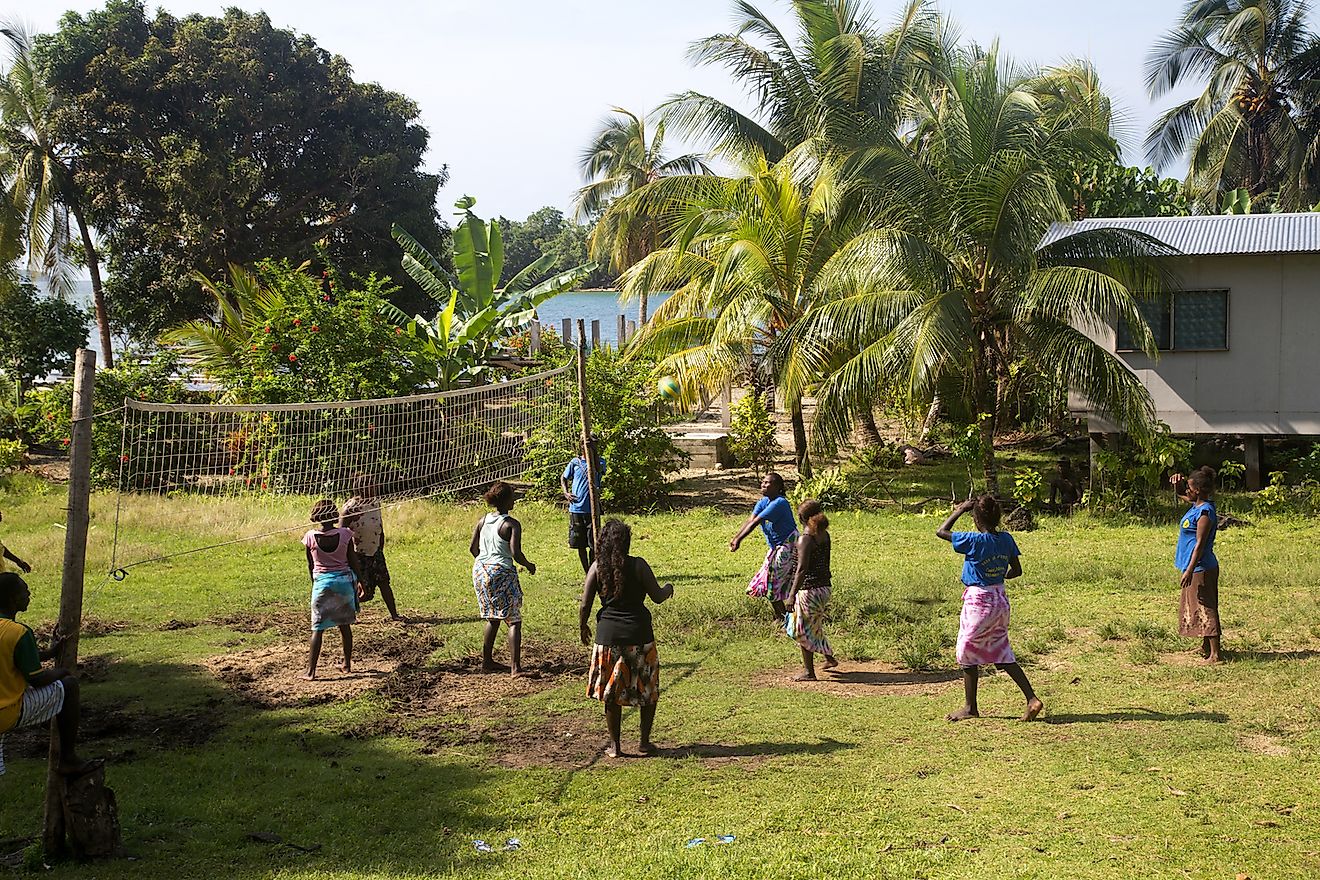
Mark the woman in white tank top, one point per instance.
(496, 547)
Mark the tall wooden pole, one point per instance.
(71, 584)
(588, 445)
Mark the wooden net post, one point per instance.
(71, 584)
(588, 445)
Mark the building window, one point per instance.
(1188, 320)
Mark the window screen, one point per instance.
(1158, 314)
(1200, 320)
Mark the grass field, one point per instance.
(1147, 764)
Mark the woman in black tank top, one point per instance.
(625, 668)
(811, 590)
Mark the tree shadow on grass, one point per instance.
(900, 678)
(1272, 656)
(729, 751)
(1135, 713)
(210, 784)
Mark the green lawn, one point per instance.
(1147, 764)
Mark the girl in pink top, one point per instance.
(333, 566)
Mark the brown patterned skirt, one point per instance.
(1198, 611)
(625, 675)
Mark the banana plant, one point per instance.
(475, 317)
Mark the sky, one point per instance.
(512, 90)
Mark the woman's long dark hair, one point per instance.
(612, 558)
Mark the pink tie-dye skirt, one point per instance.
(983, 627)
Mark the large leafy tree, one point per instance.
(42, 192)
(746, 256)
(949, 283)
(621, 159)
(210, 141)
(1254, 124)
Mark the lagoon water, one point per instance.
(603, 306)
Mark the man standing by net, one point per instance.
(576, 486)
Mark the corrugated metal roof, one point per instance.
(1213, 234)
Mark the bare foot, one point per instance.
(398, 618)
(962, 714)
(648, 748)
(346, 668)
(494, 667)
(804, 676)
(309, 676)
(831, 663)
(1213, 660)
(612, 751)
(518, 673)
(1034, 708)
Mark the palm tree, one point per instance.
(841, 81)
(618, 161)
(745, 255)
(38, 174)
(949, 282)
(1254, 123)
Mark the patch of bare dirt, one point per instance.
(734, 490)
(1264, 745)
(863, 679)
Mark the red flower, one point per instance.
(293, 358)
(123, 458)
(326, 297)
(398, 331)
(66, 441)
(50, 417)
(275, 347)
(316, 328)
(267, 329)
(297, 322)
(254, 346)
(265, 485)
(233, 471)
(370, 428)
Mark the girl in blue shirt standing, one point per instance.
(774, 514)
(1198, 612)
(989, 558)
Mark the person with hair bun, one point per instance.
(990, 557)
(810, 594)
(1198, 607)
(496, 547)
(625, 668)
(332, 564)
(774, 514)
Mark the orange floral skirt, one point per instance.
(625, 675)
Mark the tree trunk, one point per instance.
(932, 416)
(641, 310)
(800, 440)
(98, 295)
(870, 430)
(988, 463)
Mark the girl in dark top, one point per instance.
(625, 669)
(810, 593)
(1198, 611)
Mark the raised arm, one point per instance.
(1176, 480)
(515, 544)
(747, 528)
(589, 588)
(653, 589)
(945, 531)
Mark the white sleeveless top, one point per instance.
(494, 549)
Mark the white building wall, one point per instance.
(1268, 381)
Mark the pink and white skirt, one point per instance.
(983, 627)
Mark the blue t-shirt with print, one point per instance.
(1187, 537)
(988, 555)
(777, 522)
(577, 474)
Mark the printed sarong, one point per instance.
(806, 622)
(983, 627)
(775, 578)
(499, 593)
(1198, 607)
(625, 675)
(334, 600)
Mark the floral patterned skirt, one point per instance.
(625, 675)
(983, 627)
(775, 578)
(499, 592)
(806, 622)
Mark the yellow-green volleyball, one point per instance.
(669, 388)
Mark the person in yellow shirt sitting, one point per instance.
(29, 695)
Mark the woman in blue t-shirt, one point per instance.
(1198, 612)
(989, 558)
(774, 514)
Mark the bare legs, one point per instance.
(346, 635)
(614, 726)
(970, 676)
(488, 663)
(780, 610)
(1210, 649)
(585, 556)
(387, 596)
